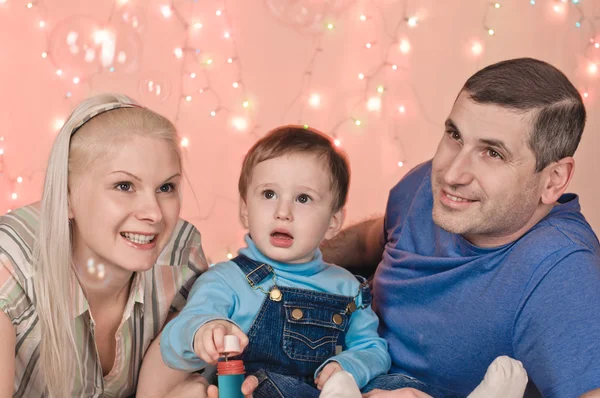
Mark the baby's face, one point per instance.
(289, 207)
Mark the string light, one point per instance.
(42, 24)
(593, 68)
(361, 76)
(400, 164)
(188, 98)
(476, 48)
(412, 22)
(76, 80)
(315, 100)
(166, 11)
(380, 89)
(219, 13)
(240, 123)
(19, 179)
(14, 196)
(363, 18)
(404, 46)
(374, 104)
(491, 32)
(235, 85)
(178, 52)
(330, 26)
(29, 5)
(185, 142)
(401, 109)
(44, 54)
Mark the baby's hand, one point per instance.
(209, 339)
(329, 370)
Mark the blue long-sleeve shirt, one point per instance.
(223, 293)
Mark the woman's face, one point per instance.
(125, 206)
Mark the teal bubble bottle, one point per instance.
(230, 376)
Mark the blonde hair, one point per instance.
(97, 128)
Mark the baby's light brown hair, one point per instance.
(292, 139)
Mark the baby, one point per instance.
(299, 319)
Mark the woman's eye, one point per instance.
(166, 188)
(268, 194)
(124, 186)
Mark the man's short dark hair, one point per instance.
(529, 85)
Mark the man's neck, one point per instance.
(488, 241)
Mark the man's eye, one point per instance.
(494, 154)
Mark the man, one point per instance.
(480, 252)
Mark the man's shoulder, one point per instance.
(564, 227)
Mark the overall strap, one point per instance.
(255, 271)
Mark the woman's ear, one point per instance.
(558, 177)
(337, 220)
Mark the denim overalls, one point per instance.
(291, 338)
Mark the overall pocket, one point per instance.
(311, 331)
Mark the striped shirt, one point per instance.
(154, 293)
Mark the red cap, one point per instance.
(230, 367)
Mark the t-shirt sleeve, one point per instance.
(557, 331)
(195, 265)
(13, 298)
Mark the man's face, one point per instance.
(483, 178)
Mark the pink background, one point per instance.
(281, 56)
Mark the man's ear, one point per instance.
(337, 220)
(244, 213)
(557, 178)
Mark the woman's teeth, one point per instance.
(136, 238)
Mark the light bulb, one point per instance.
(19, 179)
(178, 52)
(337, 142)
(374, 104)
(361, 76)
(400, 164)
(235, 85)
(188, 98)
(166, 11)
(315, 100)
(412, 22)
(404, 46)
(363, 17)
(185, 142)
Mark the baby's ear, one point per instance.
(244, 213)
(337, 220)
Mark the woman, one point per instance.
(89, 275)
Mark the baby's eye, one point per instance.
(268, 194)
(304, 198)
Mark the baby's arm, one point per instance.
(210, 299)
(366, 355)
(157, 380)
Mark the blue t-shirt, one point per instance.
(447, 308)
